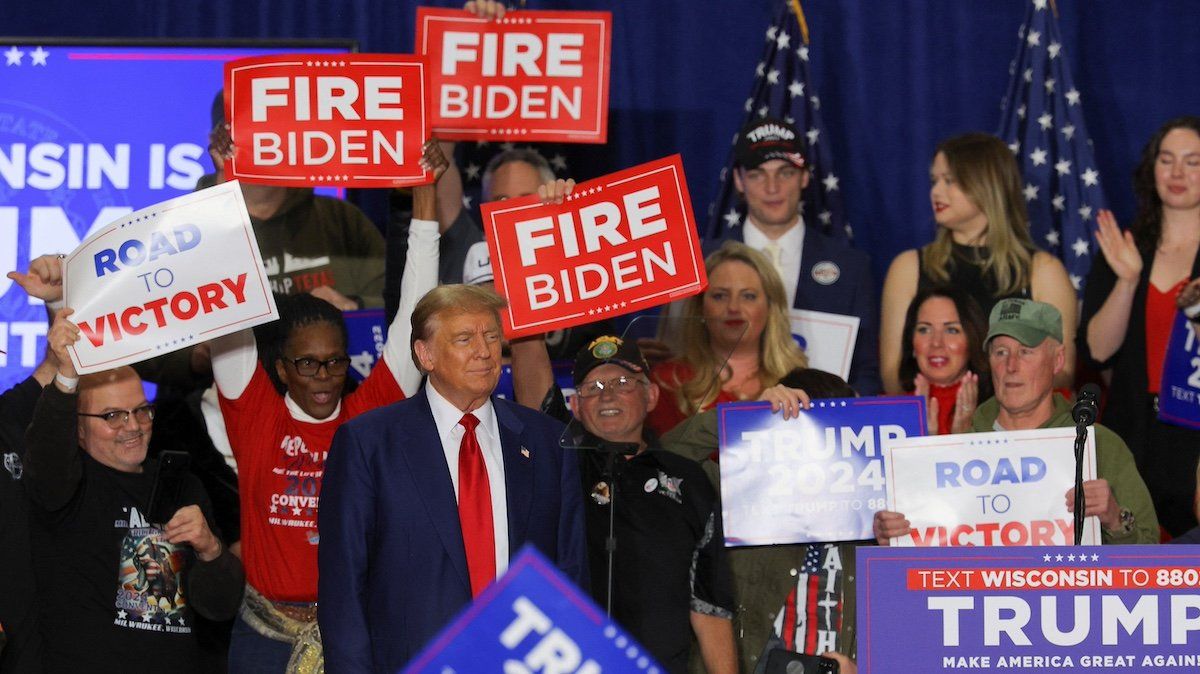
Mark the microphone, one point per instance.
(1085, 411)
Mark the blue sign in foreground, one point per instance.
(1179, 389)
(1117, 608)
(533, 619)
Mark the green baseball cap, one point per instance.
(1027, 321)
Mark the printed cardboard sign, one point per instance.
(355, 120)
(616, 245)
(177, 273)
(530, 76)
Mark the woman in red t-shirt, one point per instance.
(737, 340)
(1129, 306)
(944, 359)
(280, 441)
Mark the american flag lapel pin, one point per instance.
(525, 452)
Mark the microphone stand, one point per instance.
(612, 451)
(1081, 430)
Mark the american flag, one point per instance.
(1042, 122)
(811, 619)
(783, 88)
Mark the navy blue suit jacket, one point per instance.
(852, 294)
(393, 570)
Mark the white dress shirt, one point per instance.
(447, 416)
(791, 248)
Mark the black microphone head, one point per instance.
(1086, 404)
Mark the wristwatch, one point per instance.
(1124, 523)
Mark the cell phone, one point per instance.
(168, 487)
(780, 661)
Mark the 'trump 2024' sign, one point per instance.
(165, 277)
(531, 76)
(355, 120)
(617, 244)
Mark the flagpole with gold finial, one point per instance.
(799, 12)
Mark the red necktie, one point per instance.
(475, 509)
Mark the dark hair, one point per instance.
(818, 383)
(974, 327)
(1147, 225)
(297, 311)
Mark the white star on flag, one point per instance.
(1040, 5)
(732, 218)
(1073, 97)
(773, 76)
(1068, 131)
(760, 69)
(1034, 38)
(1030, 192)
(1052, 237)
(1049, 84)
(830, 182)
(816, 102)
(1038, 157)
(1053, 49)
(1080, 247)
(38, 56)
(771, 33)
(783, 41)
(802, 52)
(1085, 212)
(1091, 177)
(1063, 167)
(762, 112)
(466, 201)
(1021, 112)
(825, 216)
(472, 171)
(559, 162)
(813, 135)
(1028, 75)
(13, 56)
(1076, 281)
(796, 88)
(1014, 147)
(749, 106)
(1059, 204)
(1046, 121)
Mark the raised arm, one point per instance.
(1106, 327)
(420, 273)
(52, 463)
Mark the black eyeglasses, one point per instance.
(308, 367)
(118, 418)
(619, 385)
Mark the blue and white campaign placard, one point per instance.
(1127, 608)
(533, 619)
(1179, 389)
(815, 478)
(1006, 488)
(175, 274)
(366, 336)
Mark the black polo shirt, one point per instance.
(670, 555)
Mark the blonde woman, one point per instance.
(737, 340)
(982, 247)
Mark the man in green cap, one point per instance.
(1025, 350)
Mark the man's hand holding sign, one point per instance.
(528, 75)
(357, 120)
(613, 246)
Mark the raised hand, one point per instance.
(43, 280)
(1118, 247)
(555, 191)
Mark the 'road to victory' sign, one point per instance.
(818, 477)
(616, 245)
(530, 76)
(177, 273)
(355, 120)
(1006, 488)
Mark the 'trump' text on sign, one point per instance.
(175, 274)
(618, 244)
(532, 76)
(355, 120)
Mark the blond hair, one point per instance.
(450, 300)
(987, 174)
(778, 353)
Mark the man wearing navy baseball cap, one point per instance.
(670, 578)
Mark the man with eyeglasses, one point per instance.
(114, 582)
(669, 576)
(1025, 352)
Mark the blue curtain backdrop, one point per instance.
(894, 77)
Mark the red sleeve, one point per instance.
(250, 412)
(378, 389)
(666, 414)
